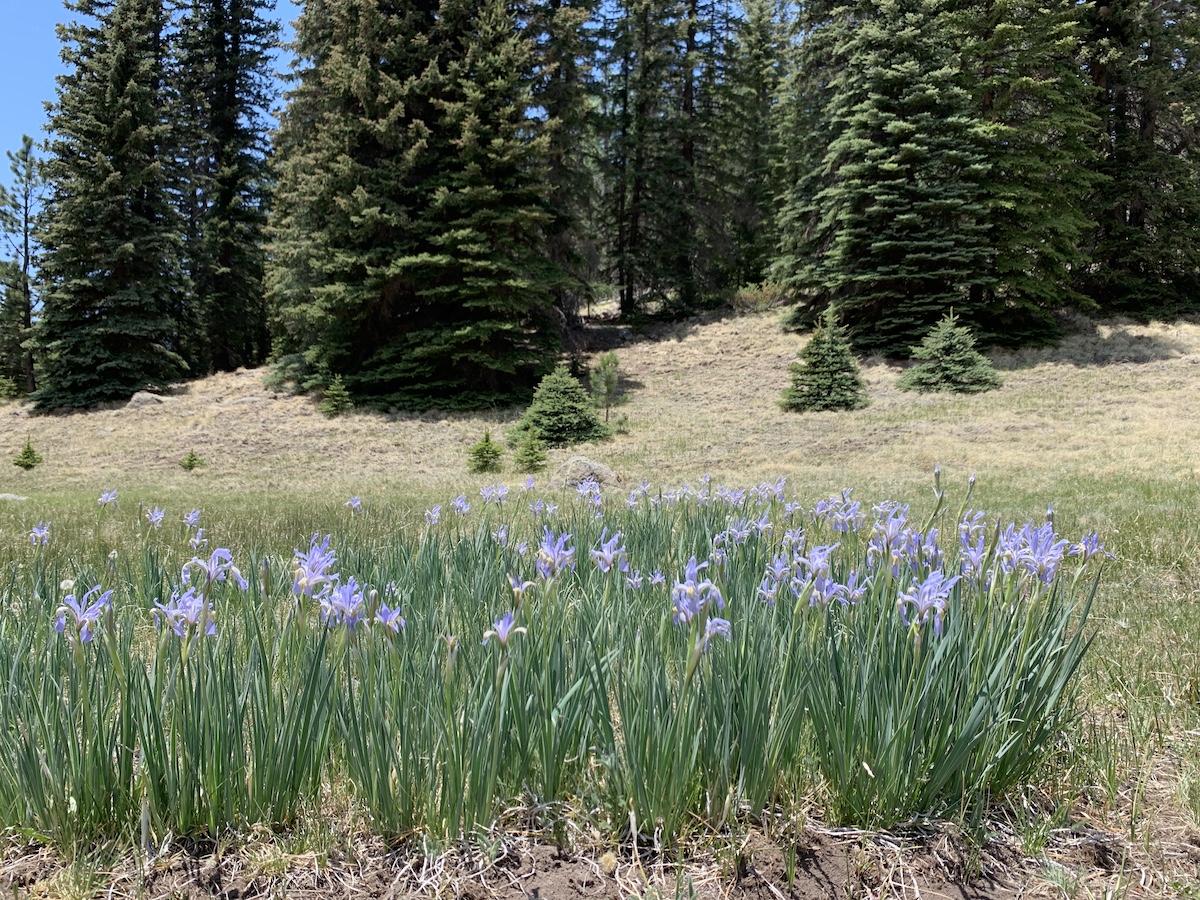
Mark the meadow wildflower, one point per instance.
(39, 535)
(84, 614)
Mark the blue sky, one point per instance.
(29, 62)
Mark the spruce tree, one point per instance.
(111, 264)
(949, 362)
(561, 413)
(1144, 58)
(892, 225)
(827, 377)
(20, 206)
(1041, 135)
(223, 88)
(411, 207)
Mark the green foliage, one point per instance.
(111, 237)
(20, 206)
(485, 455)
(28, 458)
(221, 89)
(888, 218)
(530, 455)
(9, 389)
(828, 377)
(335, 399)
(191, 461)
(562, 413)
(950, 362)
(408, 230)
(605, 381)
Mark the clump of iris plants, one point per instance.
(562, 413)
(484, 456)
(949, 362)
(827, 376)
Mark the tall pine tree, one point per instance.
(1041, 135)
(1144, 57)
(223, 88)
(20, 207)
(112, 249)
(409, 220)
(895, 231)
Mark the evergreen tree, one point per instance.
(950, 362)
(111, 260)
(223, 89)
(561, 413)
(827, 378)
(1022, 60)
(20, 206)
(1144, 58)
(892, 227)
(411, 206)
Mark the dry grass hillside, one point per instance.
(1114, 400)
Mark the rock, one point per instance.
(13, 497)
(579, 469)
(144, 398)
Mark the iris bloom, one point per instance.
(502, 630)
(40, 534)
(192, 519)
(432, 515)
(355, 504)
(494, 493)
(312, 568)
(198, 541)
(1088, 546)
(155, 516)
(343, 605)
(926, 599)
(108, 498)
(554, 555)
(692, 596)
(390, 618)
(217, 567)
(85, 614)
(184, 612)
(519, 587)
(610, 555)
(460, 505)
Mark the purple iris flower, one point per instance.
(692, 596)
(1088, 546)
(714, 627)
(528, 485)
(854, 589)
(926, 599)
(610, 555)
(888, 537)
(842, 513)
(217, 567)
(519, 587)
(780, 568)
(390, 618)
(739, 531)
(433, 515)
(85, 614)
(494, 493)
(192, 519)
(342, 605)
(198, 541)
(40, 534)
(155, 516)
(768, 590)
(108, 498)
(635, 581)
(355, 504)
(460, 505)
(554, 555)
(184, 612)
(657, 578)
(312, 568)
(502, 630)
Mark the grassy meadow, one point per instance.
(1105, 429)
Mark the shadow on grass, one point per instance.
(1089, 342)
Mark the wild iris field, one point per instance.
(671, 685)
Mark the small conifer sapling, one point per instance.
(530, 455)
(485, 455)
(827, 377)
(336, 399)
(28, 458)
(605, 379)
(949, 362)
(191, 461)
(562, 413)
